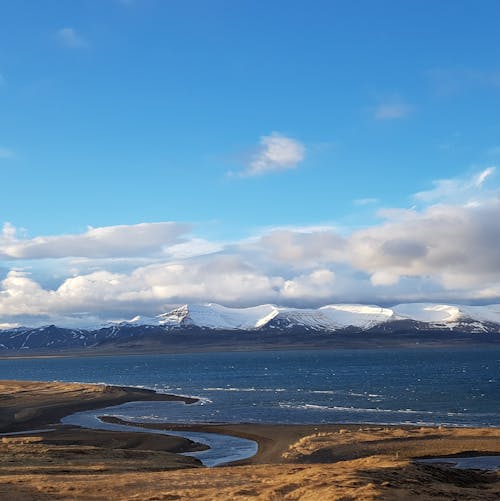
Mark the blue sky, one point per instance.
(238, 119)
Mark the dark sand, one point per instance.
(293, 463)
(27, 404)
(330, 443)
(39, 405)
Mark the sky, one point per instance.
(158, 152)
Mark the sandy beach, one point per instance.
(294, 462)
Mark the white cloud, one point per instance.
(302, 248)
(276, 153)
(445, 242)
(109, 241)
(193, 247)
(463, 190)
(318, 284)
(69, 37)
(443, 251)
(6, 153)
(482, 176)
(225, 279)
(9, 326)
(384, 278)
(392, 111)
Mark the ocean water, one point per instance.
(419, 386)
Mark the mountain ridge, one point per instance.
(330, 317)
(201, 324)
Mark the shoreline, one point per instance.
(407, 441)
(352, 344)
(48, 409)
(34, 404)
(293, 461)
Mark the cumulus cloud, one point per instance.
(70, 38)
(303, 248)
(440, 251)
(275, 153)
(455, 244)
(318, 284)
(225, 279)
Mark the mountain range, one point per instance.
(203, 326)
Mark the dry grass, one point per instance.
(370, 478)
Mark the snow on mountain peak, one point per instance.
(357, 315)
(330, 317)
(428, 312)
(215, 316)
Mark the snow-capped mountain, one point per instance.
(331, 317)
(215, 316)
(198, 324)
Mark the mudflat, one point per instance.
(298, 462)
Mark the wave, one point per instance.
(336, 408)
(203, 401)
(218, 388)
(349, 393)
(326, 392)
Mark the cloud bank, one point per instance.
(446, 249)
(106, 242)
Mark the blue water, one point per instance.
(222, 448)
(420, 386)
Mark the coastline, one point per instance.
(31, 404)
(342, 442)
(293, 462)
(136, 350)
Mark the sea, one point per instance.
(438, 386)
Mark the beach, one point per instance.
(296, 462)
